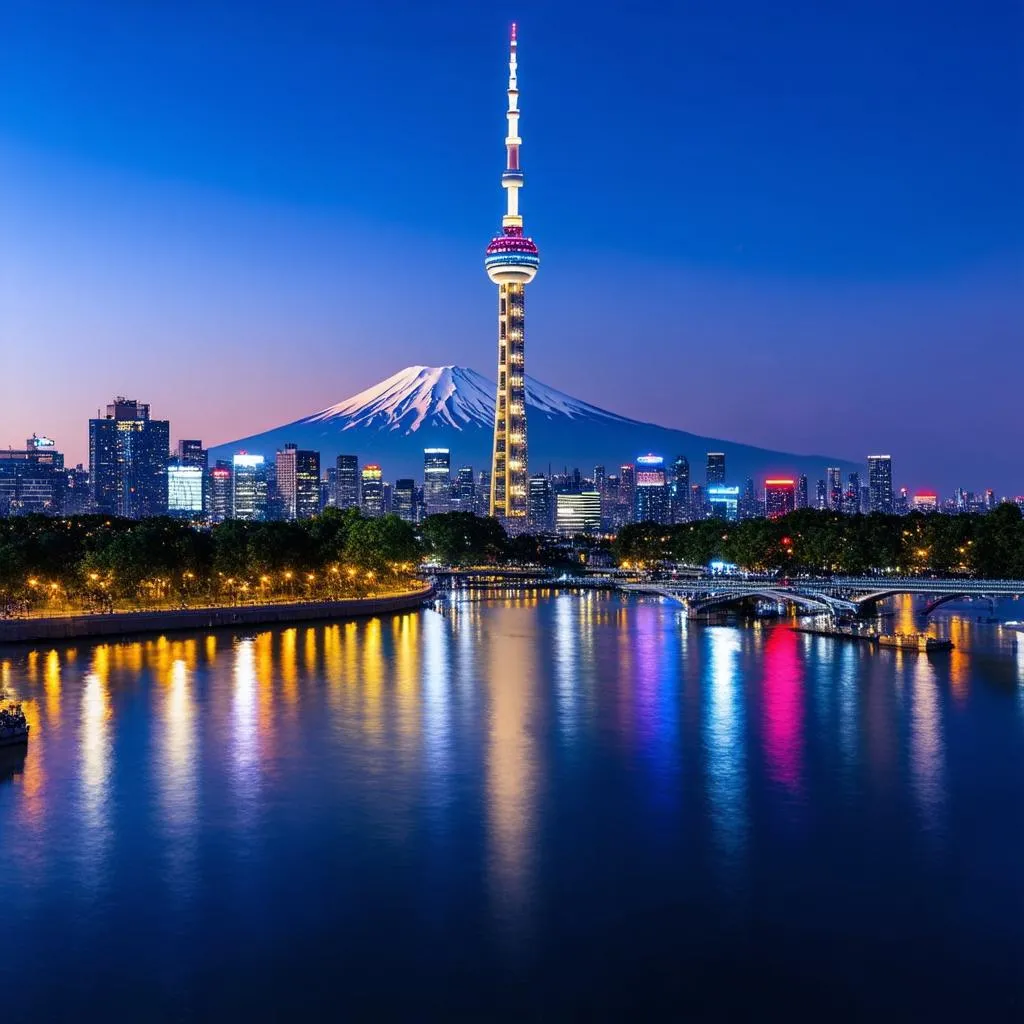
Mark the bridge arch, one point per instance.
(811, 603)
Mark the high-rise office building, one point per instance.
(698, 502)
(680, 489)
(626, 508)
(372, 486)
(128, 460)
(651, 499)
(779, 497)
(191, 453)
(599, 479)
(835, 488)
(880, 497)
(851, 496)
(32, 479)
(298, 482)
(539, 504)
(800, 500)
(723, 501)
(221, 491)
(437, 480)
(511, 262)
(464, 490)
(249, 487)
(346, 481)
(821, 495)
(184, 490)
(714, 472)
(750, 506)
(77, 494)
(403, 499)
(577, 513)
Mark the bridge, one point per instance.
(837, 596)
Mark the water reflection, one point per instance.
(95, 773)
(926, 748)
(724, 740)
(783, 707)
(177, 770)
(245, 767)
(512, 767)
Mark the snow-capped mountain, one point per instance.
(453, 407)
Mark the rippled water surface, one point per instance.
(521, 807)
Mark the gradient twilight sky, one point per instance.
(799, 225)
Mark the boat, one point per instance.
(915, 642)
(14, 727)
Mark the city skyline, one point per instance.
(702, 338)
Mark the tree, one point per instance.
(461, 538)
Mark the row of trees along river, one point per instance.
(95, 560)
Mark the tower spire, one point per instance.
(512, 179)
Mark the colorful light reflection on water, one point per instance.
(569, 802)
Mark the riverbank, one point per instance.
(71, 627)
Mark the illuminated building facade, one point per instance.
(723, 501)
(779, 497)
(128, 460)
(437, 480)
(801, 492)
(221, 491)
(577, 513)
(184, 490)
(298, 482)
(372, 480)
(651, 490)
(32, 479)
(835, 488)
(403, 499)
(540, 504)
(714, 471)
(680, 489)
(346, 482)
(925, 501)
(511, 262)
(248, 487)
(880, 497)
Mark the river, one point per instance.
(528, 806)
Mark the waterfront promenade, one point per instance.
(67, 626)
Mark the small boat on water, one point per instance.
(14, 727)
(915, 642)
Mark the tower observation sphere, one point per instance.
(511, 262)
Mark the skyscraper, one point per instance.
(820, 495)
(372, 480)
(128, 460)
(32, 479)
(221, 490)
(298, 482)
(511, 263)
(835, 488)
(714, 472)
(437, 480)
(880, 483)
(347, 482)
(577, 513)
(779, 497)
(681, 489)
(651, 498)
(249, 487)
(851, 496)
(403, 499)
(801, 491)
(465, 490)
(540, 504)
(625, 508)
(184, 490)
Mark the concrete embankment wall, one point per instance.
(122, 623)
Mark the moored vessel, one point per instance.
(915, 642)
(14, 727)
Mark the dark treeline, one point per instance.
(99, 558)
(990, 546)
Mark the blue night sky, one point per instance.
(799, 225)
